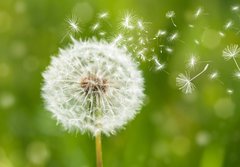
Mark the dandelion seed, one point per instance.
(221, 34)
(231, 52)
(93, 86)
(160, 33)
(198, 12)
(228, 25)
(102, 33)
(169, 50)
(95, 27)
(237, 74)
(191, 25)
(140, 25)
(170, 15)
(127, 22)
(141, 54)
(173, 36)
(117, 39)
(196, 42)
(235, 8)
(73, 25)
(229, 91)
(184, 82)
(214, 75)
(103, 15)
(192, 61)
(158, 66)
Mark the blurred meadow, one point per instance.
(173, 129)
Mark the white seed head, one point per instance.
(93, 86)
(231, 51)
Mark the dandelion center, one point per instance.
(94, 84)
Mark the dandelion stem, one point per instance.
(173, 23)
(236, 64)
(98, 150)
(205, 68)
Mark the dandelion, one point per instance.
(184, 82)
(93, 86)
(170, 15)
(231, 52)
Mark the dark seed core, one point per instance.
(94, 84)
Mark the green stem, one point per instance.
(99, 162)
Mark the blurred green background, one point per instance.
(172, 130)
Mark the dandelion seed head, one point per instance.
(170, 14)
(231, 51)
(93, 86)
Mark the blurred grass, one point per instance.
(172, 129)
